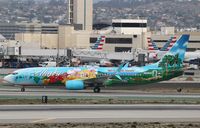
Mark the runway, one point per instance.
(98, 113)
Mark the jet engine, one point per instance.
(153, 56)
(74, 85)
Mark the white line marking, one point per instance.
(43, 120)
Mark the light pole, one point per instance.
(2, 54)
(58, 50)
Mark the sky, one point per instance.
(95, 1)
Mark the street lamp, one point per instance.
(2, 53)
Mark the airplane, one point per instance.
(192, 55)
(154, 52)
(80, 78)
(168, 45)
(151, 44)
(98, 45)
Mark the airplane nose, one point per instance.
(8, 79)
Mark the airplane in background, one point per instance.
(154, 52)
(98, 45)
(168, 45)
(79, 78)
(192, 55)
(151, 45)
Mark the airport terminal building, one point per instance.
(125, 35)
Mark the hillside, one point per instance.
(178, 13)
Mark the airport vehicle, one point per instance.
(79, 78)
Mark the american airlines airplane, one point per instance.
(192, 55)
(98, 45)
(79, 78)
(154, 53)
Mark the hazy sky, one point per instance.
(100, 0)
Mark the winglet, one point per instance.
(123, 65)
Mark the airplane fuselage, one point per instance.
(60, 75)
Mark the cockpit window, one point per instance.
(14, 73)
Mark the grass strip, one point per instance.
(14, 101)
(106, 125)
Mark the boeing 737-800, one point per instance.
(79, 78)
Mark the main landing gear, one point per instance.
(23, 89)
(179, 89)
(97, 89)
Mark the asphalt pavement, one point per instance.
(98, 113)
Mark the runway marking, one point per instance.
(43, 120)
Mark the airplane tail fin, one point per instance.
(98, 45)
(177, 52)
(169, 44)
(151, 44)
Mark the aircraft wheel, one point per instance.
(179, 89)
(23, 89)
(97, 89)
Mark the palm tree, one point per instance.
(176, 59)
(171, 60)
(164, 64)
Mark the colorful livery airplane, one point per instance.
(79, 78)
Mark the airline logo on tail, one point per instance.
(99, 43)
(169, 44)
(152, 45)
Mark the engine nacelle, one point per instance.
(74, 85)
(153, 56)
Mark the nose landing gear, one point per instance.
(97, 89)
(23, 89)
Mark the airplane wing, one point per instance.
(105, 75)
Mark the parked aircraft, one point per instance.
(192, 55)
(154, 53)
(151, 45)
(168, 45)
(98, 45)
(79, 78)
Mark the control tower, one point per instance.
(80, 14)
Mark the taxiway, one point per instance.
(98, 113)
(33, 92)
